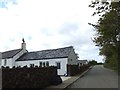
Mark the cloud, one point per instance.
(47, 32)
(68, 28)
(48, 24)
(5, 3)
(80, 37)
(12, 39)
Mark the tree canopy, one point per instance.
(93, 62)
(108, 31)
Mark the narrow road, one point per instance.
(0, 78)
(97, 77)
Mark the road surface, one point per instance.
(0, 78)
(97, 77)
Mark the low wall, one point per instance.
(33, 77)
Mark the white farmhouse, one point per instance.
(9, 57)
(54, 57)
(82, 62)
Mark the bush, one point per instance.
(56, 80)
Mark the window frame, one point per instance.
(58, 65)
(47, 63)
(5, 62)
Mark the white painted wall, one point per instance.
(24, 63)
(2, 62)
(52, 62)
(0, 58)
(63, 62)
(11, 61)
(18, 55)
(8, 62)
(72, 58)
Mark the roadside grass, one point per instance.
(111, 67)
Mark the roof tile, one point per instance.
(46, 54)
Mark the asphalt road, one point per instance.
(0, 78)
(97, 77)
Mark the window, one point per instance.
(47, 64)
(31, 65)
(58, 64)
(5, 62)
(40, 64)
(70, 59)
(43, 64)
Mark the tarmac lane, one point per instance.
(97, 77)
(0, 78)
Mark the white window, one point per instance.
(5, 62)
(58, 64)
(40, 64)
(43, 64)
(31, 65)
(47, 64)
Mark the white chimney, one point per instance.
(23, 46)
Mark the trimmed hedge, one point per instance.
(32, 77)
(75, 69)
(72, 70)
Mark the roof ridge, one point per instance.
(47, 54)
(52, 49)
(11, 50)
(10, 53)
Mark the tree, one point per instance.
(108, 31)
(93, 62)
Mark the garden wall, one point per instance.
(33, 77)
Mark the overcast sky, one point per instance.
(48, 24)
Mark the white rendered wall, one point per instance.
(72, 58)
(17, 56)
(2, 62)
(8, 62)
(0, 55)
(63, 62)
(0, 71)
(52, 62)
(28, 62)
(11, 61)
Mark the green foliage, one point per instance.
(93, 62)
(108, 31)
(100, 63)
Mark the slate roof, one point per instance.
(46, 54)
(10, 54)
(82, 61)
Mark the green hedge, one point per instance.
(33, 77)
(75, 69)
